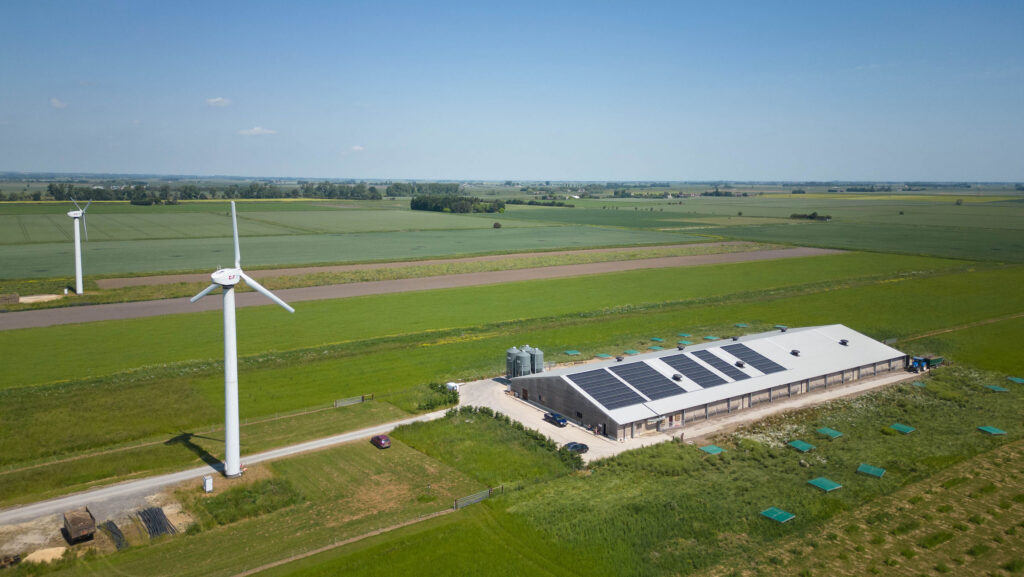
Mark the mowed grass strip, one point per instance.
(102, 348)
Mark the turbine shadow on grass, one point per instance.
(185, 439)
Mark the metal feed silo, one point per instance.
(537, 356)
(510, 362)
(523, 363)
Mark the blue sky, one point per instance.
(548, 90)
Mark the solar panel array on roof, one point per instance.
(691, 370)
(647, 380)
(606, 389)
(723, 367)
(754, 358)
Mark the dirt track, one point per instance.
(120, 311)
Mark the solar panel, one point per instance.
(754, 358)
(647, 380)
(724, 367)
(606, 389)
(693, 371)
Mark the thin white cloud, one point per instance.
(256, 131)
(357, 148)
(54, 102)
(218, 102)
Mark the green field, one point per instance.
(669, 509)
(114, 258)
(152, 400)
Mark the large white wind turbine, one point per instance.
(227, 278)
(79, 215)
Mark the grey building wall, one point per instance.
(555, 394)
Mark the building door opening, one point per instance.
(526, 395)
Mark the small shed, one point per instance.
(79, 525)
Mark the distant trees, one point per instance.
(456, 204)
(425, 188)
(812, 216)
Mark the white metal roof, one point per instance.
(820, 354)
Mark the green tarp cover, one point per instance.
(685, 343)
(830, 433)
(741, 325)
(630, 352)
(684, 335)
(572, 352)
(919, 383)
(992, 430)
(905, 429)
(776, 514)
(998, 389)
(1017, 380)
(603, 356)
(800, 445)
(712, 449)
(869, 470)
(656, 348)
(825, 484)
(710, 338)
(657, 340)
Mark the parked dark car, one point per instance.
(381, 441)
(577, 448)
(555, 419)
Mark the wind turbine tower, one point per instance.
(79, 215)
(227, 278)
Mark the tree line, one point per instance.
(456, 204)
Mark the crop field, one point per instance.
(196, 336)
(153, 400)
(197, 254)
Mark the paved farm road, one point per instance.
(118, 311)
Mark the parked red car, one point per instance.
(381, 441)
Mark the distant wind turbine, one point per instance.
(227, 278)
(79, 215)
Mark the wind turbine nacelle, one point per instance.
(75, 214)
(226, 276)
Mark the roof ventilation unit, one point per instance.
(680, 347)
(618, 359)
(795, 353)
(735, 338)
(782, 329)
(677, 377)
(844, 342)
(740, 364)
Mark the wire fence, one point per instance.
(477, 497)
(352, 400)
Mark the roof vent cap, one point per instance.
(677, 377)
(680, 347)
(783, 329)
(795, 353)
(619, 359)
(844, 342)
(740, 364)
(735, 338)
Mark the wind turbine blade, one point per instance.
(205, 292)
(234, 225)
(260, 288)
(85, 227)
(76, 204)
(86, 206)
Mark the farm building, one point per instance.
(664, 390)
